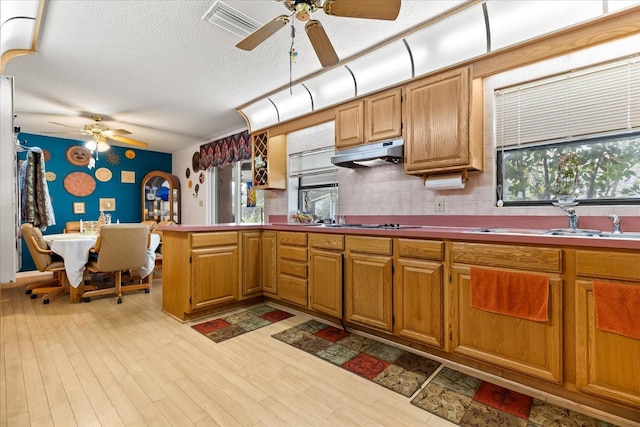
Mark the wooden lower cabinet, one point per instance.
(293, 267)
(269, 262)
(418, 291)
(529, 347)
(201, 271)
(325, 273)
(607, 364)
(369, 282)
(250, 268)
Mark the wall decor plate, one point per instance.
(103, 174)
(46, 154)
(195, 162)
(130, 154)
(77, 155)
(201, 178)
(187, 173)
(79, 184)
(190, 184)
(50, 176)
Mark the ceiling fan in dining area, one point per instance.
(302, 11)
(100, 134)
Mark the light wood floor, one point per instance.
(104, 364)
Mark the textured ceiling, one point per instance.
(158, 70)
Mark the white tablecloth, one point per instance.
(74, 249)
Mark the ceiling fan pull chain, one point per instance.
(292, 57)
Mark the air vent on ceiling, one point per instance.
(230, 19)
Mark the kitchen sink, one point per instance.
(573, 232)
(623, 235)
(566, 232)
(511, 231)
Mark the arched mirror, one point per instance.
(161, 197)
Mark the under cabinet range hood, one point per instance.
(369, 155)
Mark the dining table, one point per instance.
(75, 249)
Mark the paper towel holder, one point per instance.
(449, 181)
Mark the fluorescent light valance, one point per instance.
(19, 27)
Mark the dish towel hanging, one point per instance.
(617, 306)
(521, 295)
(35, 202)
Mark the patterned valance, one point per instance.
(227, 150)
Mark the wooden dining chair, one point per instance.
(72, 227)
(120, 247)
(45, 261)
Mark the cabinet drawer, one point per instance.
(525, 257)
(292, 238)
(293, 268)
(295, 254)
(611, 265)
(327, 241)
(422, 249)
(202, 240)
(370, 245)
(293, 290)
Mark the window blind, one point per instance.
(313, 162)
(599, 100)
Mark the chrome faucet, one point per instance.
(616, 223)
(573, 217)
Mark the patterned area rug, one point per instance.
(224, 328)
(468, 401)
(391, 367)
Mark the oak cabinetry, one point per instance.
(292, 267)
(325, 276)
(200, 272)
(374, 118)
(369, 281)
(269, 161)
(526, 346)
(269, 262)
(250, 268)
(606, 363)
(418, 291)
(444, 123)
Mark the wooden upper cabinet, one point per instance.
(269, 165)
(383, 116)
(371, 119)
(350, 124)
(439, 135)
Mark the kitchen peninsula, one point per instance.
(413, 286)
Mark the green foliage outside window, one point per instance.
(606, 170)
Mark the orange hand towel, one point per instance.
(520, 295)
(618, 308)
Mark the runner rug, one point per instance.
(396, 369)
(233, 325)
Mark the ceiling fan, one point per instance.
(302, 10)
(101, 134)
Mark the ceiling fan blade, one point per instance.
(61, 124)
(112, 132)
(371, 9)
(263, 33)
(128, 141)
(321, 44)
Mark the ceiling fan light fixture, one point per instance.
(103, 146)
(91, 145)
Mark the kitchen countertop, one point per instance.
(425, 232)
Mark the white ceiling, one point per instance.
(158, 70)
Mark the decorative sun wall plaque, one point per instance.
(79, 184)
(77, 155)
(113, 158)
(130, 154)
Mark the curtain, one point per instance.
(230, 149)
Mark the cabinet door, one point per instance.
(350, 124)
(418, 299)
(438, 122)
(250, 267)
(368, 290)
(268, 262)
(606, 363)
(214, 276)
(383, 117)
(326, 282)
(525, 346)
